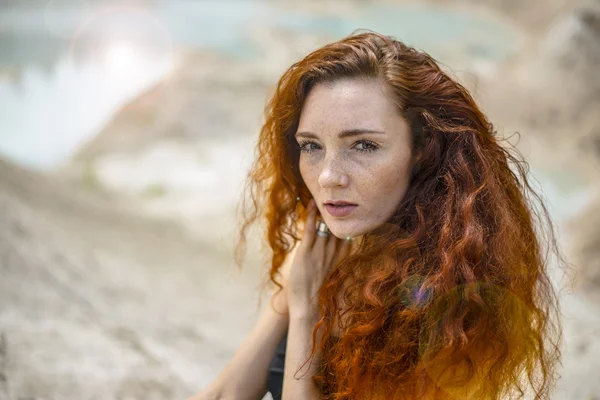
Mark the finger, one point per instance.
(320, 240)
(309, 227)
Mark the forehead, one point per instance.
(348, 102)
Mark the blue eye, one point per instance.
(303, 144)
(371, 146)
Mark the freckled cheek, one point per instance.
(309, 174)
(387, 183)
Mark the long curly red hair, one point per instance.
(451, 297)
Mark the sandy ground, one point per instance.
(100, 304)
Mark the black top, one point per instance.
(276, 368)
(275, 374)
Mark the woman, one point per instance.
(431, 281)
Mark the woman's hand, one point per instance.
(315, 256)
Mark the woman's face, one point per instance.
(355, 147)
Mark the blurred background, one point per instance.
(127, 128)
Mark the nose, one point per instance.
(333, 174)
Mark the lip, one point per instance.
(339, 202)
(340, 211)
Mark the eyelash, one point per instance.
(368, 142)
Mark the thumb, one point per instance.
(308, 236)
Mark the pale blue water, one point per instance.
(66, 94)
(29, 35)
(431, 29)
(52, 49)
(67, 89)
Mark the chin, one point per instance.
(338, 229)
(337, 234)
(340, 232)
(343, 228)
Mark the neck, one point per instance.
(356, 241)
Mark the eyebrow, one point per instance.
(342, 134)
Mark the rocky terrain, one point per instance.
(116, 271)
